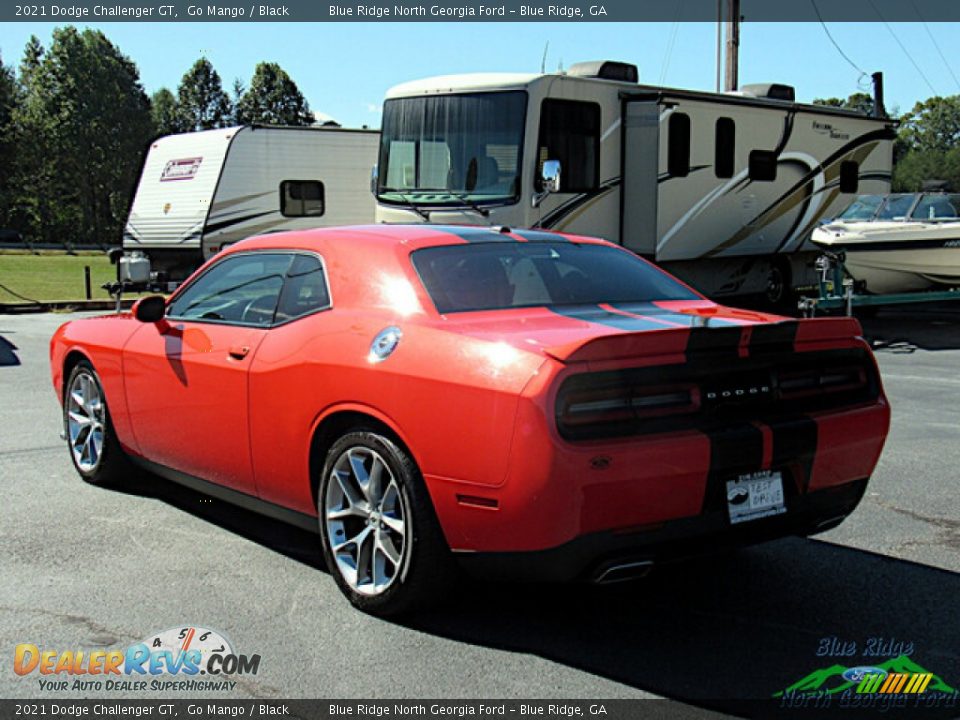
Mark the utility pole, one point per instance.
(733, 45)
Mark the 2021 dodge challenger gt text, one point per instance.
(526, 403)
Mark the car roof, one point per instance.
(414, 236)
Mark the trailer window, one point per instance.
(678, 147)
(301, 198)
(570, 133)
(724, 147)
(763, 165)
(849, 176)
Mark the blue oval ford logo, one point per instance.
(855, 674)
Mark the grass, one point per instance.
(52, 276)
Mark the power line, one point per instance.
(935, 44)
(670, 44)
(839, 49)
(902, 47)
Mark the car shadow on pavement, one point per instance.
(716, 633)
(8, 353)
(723, 633)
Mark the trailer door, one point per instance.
(641, 149)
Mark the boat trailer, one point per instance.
(839, 291)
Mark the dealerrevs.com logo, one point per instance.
(188, 658)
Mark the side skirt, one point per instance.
(234, 497)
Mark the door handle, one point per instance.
(239, 352)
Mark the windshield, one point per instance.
(863, 208)
(936, 207)
(896, 207)
(452, 149)
(499, 275)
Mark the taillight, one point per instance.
(600, 405)
(794, 384)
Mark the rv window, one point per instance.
(301, 198)
(570, 133)
(724, 148)
(849, 176)
(678, 150)
(763, 165)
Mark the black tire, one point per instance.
(425, 572)
(111, 466)
(780, 293)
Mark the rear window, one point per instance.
(500, 275)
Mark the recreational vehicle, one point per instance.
(722, 189)
(202, 191)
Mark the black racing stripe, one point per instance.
(474, 234)
(774, 337)
(794, 448)
(720, 342)
(214, 227)
(734, 450)
(596, 314)
(538, 236)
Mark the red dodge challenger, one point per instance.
(532, 404)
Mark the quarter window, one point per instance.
(305, 289)
(301, 198)
(570, 133)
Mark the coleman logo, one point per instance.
(183, 169)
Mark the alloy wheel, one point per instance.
(85, 421)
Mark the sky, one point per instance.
(344, 69)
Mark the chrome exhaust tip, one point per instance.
(622, 571)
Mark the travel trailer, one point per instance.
(722, 189)
(202, 191)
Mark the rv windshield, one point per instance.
(452, 150)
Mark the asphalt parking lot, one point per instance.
(85, 568)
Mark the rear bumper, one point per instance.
(588, 557)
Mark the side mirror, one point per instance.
(374, 178)
(549, 181)
(150, 309)
(550, 176)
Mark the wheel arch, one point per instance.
(337, 421)
(73, 358)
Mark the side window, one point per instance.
(678, 145)
(849, 176)
(763, 165)
(305, 289)
(570, 133)
(301, 198)
(725, 145)
(240, 289)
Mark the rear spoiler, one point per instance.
(786, 335)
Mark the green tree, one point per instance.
(8, 100)
(933, 124)
(81, 129)
(273, 98)
(202, 102)
(859, 102)
(164, 113)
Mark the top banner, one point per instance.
(101, 11)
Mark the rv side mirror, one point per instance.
(150, 309)
(374, 178)
(550, 176)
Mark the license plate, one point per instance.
(754, 496)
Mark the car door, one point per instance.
(186, 377)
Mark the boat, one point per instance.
(901, 242)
